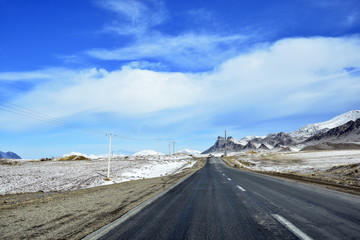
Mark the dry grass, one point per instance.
(279, 157)
(4, 161)
(73, 158)
(234, 161)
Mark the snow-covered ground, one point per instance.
(302, 162)
(34, 175)
(147, 153)
(189, 152)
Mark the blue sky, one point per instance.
(182, 70)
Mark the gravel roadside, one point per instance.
(75, 214)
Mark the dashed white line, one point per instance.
(223, 174)
(229, 179)
(291, 227)
(242, 189)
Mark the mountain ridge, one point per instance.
(9, 155)
(344, 128)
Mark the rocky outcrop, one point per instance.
(231, 145)
(250, 146)
(263, 147)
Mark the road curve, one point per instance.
(219, 202)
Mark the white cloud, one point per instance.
(127, 91)
(288, 77)
(134, 16)
(308, 68)
(9, 76)
(189, 51)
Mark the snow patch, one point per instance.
(189, 152)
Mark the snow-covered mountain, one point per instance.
(231, 145)
(312, 129)
(9, 155)
(147, 153)
(189, 152)
(343, 128)
(247, 139)
(348, 132)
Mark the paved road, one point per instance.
(219, 202)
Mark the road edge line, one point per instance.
(242, 189)
(107, 228)
(291, 227)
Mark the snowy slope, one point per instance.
(311, 129)
(147, 153)
(189, 152)
(35, 175)
(245, 140)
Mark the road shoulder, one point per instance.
(74, 215)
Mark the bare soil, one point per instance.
(75, 214)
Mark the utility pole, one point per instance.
(173, 147)
(158, 147)
(110, 154)
(169, 143)
(225, 153)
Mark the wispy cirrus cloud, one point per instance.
(134, 17)
(189, 52)
(344, 14)
(184, 51)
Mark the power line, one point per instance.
(20, 110)
(30, 113)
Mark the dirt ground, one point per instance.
(75, 214)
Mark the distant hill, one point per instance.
(344, 128)
(189, 152)
(147, 153)
(332, 146)
(9, 155)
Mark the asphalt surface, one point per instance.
(219, 202)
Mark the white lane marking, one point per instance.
(242, 189)
(223, 174)
(229, 179)
(300, 234)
